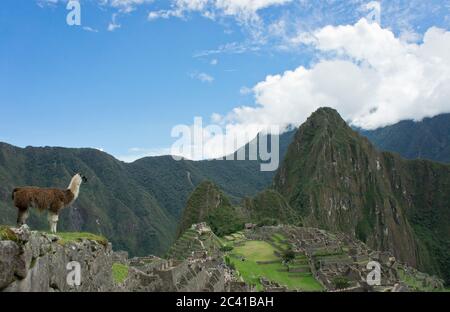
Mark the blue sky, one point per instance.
(134, 69)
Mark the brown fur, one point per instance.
(42, 198)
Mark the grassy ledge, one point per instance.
(119, 272)
(7, 234)
(67, 237)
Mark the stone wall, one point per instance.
(37, 262)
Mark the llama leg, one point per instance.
(22, 217)
(53, 218)
(55, 221)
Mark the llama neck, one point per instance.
(74, 188)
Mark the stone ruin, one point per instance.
(37, 263)
(333, 256)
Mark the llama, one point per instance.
(49, 199)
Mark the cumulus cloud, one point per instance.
(372, 77)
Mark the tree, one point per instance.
(288, 255)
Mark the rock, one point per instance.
(120, 257)
(22, 233)
(38, 262)
(9, 252)
(400, 288)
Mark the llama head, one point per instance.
(75, 184)
(79, 178)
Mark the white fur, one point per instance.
(74, 186)
(53, 221)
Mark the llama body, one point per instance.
(50, 199)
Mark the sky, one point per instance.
(132, 70)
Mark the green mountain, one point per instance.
(337, 180)
(269, 207)
(209, 204)
(427, 139)
(137, 205)
(112, 203)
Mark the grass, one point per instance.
(251, 271)
(67, 237)
(119, 272)
(256, 251)
(279, 241)
(7, 234)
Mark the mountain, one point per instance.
(137, 205)
(209, 204)
(337, 180)
(427, 139)
(269, 206)
(171, 182)
(112, 203)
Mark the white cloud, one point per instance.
(369, 75)
(245, 90)
(214, 62)
(231, 48)
(243, 10)
(203, 77)
(90, 29)
(43, 3)
(373, 79)
(125, 6)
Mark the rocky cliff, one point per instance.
(37, 262)
(32, 261)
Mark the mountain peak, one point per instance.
(325, 116)
(208, 203)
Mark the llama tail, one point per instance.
(13, 193)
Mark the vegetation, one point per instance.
(192, 242)
(267, 222)
(249, 259)
(66, 237)
(7, 234)
(136, 205)
(336, 180)
(209, 204)
(270, 208)
(341, 282)
(288, 255)
(426, 139)
(119, 272)
(226, 248)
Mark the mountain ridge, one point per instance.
(337, 180)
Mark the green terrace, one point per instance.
(255, 259)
